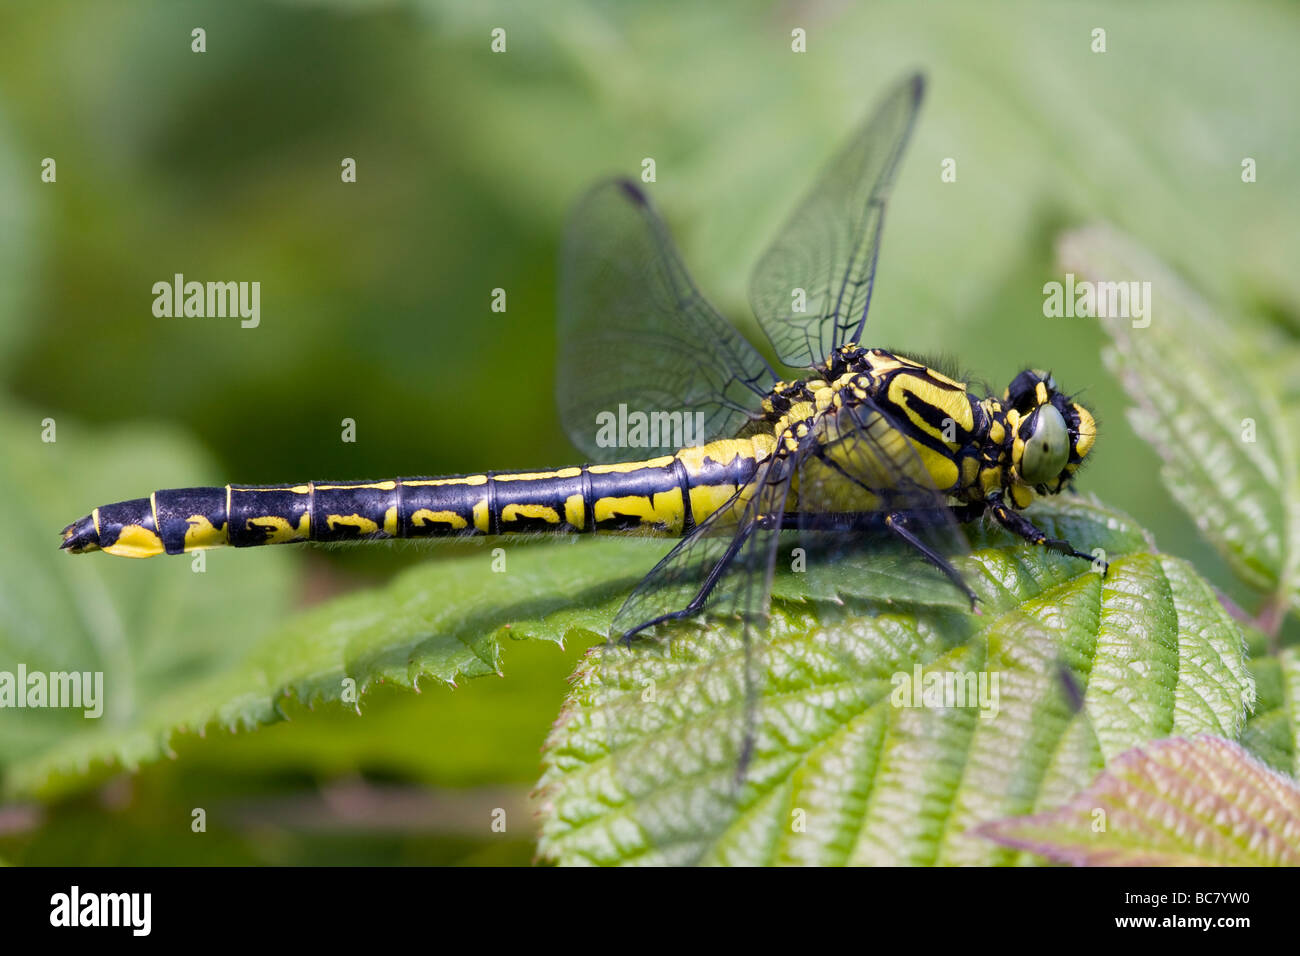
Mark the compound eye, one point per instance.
(1047, 451)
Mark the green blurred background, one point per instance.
(376, 304)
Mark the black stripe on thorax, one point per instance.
(932, 415)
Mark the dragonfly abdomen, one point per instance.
(659, 496)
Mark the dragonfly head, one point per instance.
(1050, 434)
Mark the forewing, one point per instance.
(828, 248)
(637, 337)
(683, 696)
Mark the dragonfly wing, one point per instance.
(635, 332)
(828, 247)
(718, 551)
(678, 705)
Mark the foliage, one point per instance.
(1080, 669)
(1221, 407)
(1178, 802)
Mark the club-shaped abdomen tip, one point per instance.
(81, 536)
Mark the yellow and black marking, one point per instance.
(970, 450)
(661, 496)
(865, 412)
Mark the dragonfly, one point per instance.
(729, 455)
(867, 439)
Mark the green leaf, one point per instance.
(152, 629)
(1273, 733)
(1219, 401)
(412, 779)
(1085, 669)
(1198, 802)
(500, 726)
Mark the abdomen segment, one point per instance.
(662, 496)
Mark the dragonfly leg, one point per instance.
(897, 522)
(697, 603)
(1019, 525)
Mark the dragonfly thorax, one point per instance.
(972, 449)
